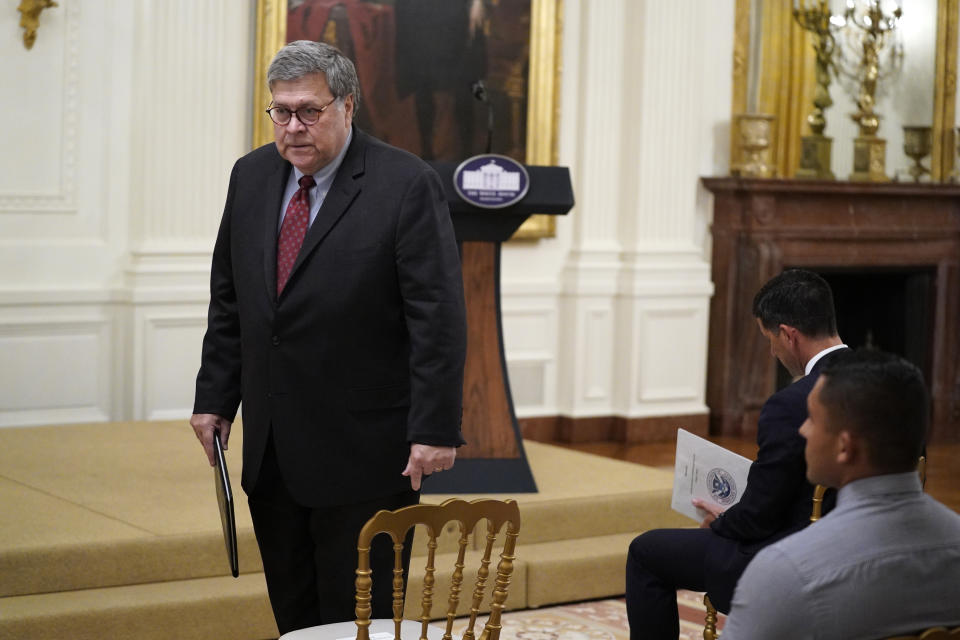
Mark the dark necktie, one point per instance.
(293, 230)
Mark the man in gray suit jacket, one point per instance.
(337, 317)
(886, 561)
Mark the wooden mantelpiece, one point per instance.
(761, 227)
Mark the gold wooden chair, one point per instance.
(433, 518)
(710, 623)
(935, 633)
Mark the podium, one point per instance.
(493, 460)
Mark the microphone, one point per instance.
(479, 90)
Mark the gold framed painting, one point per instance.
(418, 61)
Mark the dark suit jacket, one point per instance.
(778, 498)
(363, 351)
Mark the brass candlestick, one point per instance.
(814, 16)
(874, 28)
(917, 142)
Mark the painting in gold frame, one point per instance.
(541, 87)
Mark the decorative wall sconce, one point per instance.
(30, 18)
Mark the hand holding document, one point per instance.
(707, 471)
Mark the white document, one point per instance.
(707, 471)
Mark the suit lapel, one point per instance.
(342, 193)
(273, 192)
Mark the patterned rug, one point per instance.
(596, 620)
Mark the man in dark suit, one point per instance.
(795, 314)
(337, 317)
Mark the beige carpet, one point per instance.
(594, 620)
(115, 526)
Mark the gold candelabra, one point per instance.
(814, 16)
(874, 28)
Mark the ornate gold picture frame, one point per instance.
(542, 97)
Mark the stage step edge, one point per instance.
(202, 555)
(544, 573)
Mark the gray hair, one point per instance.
(303, 57)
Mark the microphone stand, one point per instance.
(480, 93)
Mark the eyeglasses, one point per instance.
(306, 115)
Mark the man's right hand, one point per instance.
(203, 425)
(712, 510)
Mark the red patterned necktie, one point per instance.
(293, 230)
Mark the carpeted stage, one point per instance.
(112, 531)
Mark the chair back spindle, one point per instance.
(817, 511)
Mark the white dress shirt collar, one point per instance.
(814, 359)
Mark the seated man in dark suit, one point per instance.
(795, 313)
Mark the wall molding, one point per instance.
(32, 391)
(163, 375)
(65, 200)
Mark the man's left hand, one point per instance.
(713, 511)
(426, 459)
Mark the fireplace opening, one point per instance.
(890, 309)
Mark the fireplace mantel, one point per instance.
(761, 227)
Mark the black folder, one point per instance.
(225, 500)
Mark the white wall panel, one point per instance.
(530, 330)
(41, 88)
(671, 348)
(64, 237)
(530, 341)
(168, 361)
(597, 345)
(528, 387)
(56, 365)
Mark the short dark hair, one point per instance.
(797, 298)
(882, 399)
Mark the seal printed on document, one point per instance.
(722, 486)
